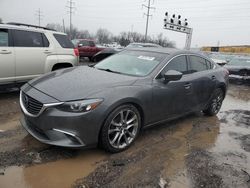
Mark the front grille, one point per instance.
(31, 105)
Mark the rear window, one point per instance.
(64, 41)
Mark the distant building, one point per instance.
(228, 49)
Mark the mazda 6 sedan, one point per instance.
(108, 104)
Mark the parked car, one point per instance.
(105, 53)
(28, 51)
(143, 45)
(111, 102)
(239, 67)
(87, 47)
(111, 51)
(220, 59)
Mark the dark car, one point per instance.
(111, 102)
(111, 51)
(239, 67)
(105, 53)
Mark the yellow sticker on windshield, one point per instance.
(146, 58)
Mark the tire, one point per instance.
(215, 103)
(120, 129)
(90, 59)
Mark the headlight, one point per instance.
(80, 106)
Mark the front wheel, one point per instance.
(215, 104)
(120, 129)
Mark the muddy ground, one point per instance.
(194, 151)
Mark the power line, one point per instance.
(39, 16)
(71, 11)
(149, 7)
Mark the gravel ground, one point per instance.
(194, 151)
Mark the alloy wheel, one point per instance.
(123, 128)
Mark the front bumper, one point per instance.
(52, 136)
(56, 127)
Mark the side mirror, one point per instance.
(172, 75)
(80, 45)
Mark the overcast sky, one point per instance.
(213, 21)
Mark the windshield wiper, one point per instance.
(109, 70)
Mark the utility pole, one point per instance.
(39, 16)
(149, 7)
(63, 26)
(71, 11)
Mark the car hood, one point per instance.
(79, 83)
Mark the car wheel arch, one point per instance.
(61, 65)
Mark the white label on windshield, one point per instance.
(146, 58)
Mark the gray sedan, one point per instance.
(109, 103)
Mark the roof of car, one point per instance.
(163, 50)
(28, 27)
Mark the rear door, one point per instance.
(203, 80)
(31, 49)
(7, 58)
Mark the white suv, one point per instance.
(28, 51)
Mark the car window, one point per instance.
(64, 41)
(45, 41)
(91, 43)
(197, 64)
(27, 39)
(178, 63)
(4, 39)
(209, 64)
(84, 43)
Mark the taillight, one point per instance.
(76, 51)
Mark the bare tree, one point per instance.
(55, 26)
(103, 36)
(84, 34)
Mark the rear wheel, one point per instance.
(121, 128)
(215, 104)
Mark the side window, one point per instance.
(91, 43)
(4, 37)
(27, 39)
(178, 64)
(45, 41)
(197, 64)
(84, 43)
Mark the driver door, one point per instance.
(173, 98)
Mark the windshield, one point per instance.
(136, 63)
(240, 62)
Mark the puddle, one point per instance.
(61, 173)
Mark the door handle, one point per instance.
(213, 78)
(47, 52)
(5, 52)
(187, 85)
